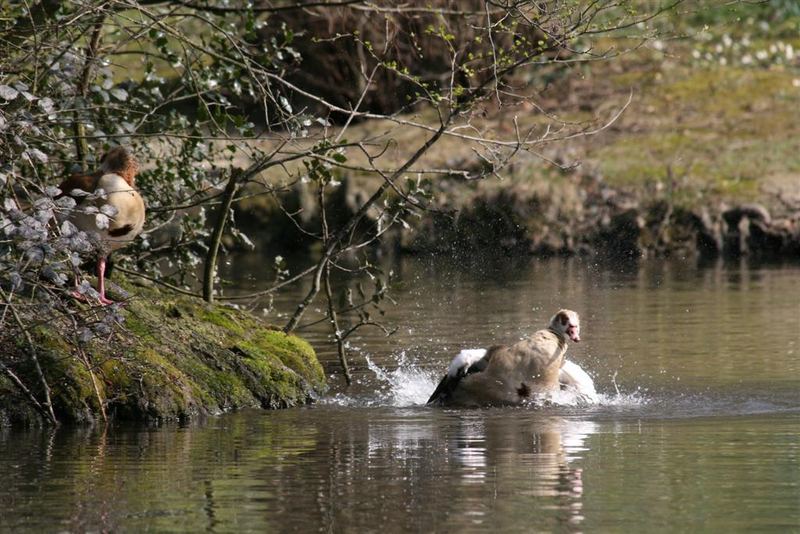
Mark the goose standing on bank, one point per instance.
(516, 374)
(113, 228)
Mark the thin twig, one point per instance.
(48, 404)
(210, 267)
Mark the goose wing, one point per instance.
(466, 362)
(84, 182)
(573, 378)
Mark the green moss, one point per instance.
(70, 382)
(293, 352)
(280, 384)
(221, 317)
(138, 327)
(174, 358)
(160, 364)
(116, 373)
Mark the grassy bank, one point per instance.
(711, 128)
(713, 114)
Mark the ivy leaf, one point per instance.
(36, 154)
(46, 104)
(68, 229)
(120, 94)
(66, 203)
(52, 191)
(8, 93)
(101, 220)
(108, 210)
(16, 281)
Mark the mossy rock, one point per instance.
(173, 358)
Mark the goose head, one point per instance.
(119, 161)
(567, 324)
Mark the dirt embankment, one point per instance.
(564, 216)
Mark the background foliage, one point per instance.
(226, 102)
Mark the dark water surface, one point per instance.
(698, 428)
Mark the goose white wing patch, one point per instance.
(464, 360)
(577, 380)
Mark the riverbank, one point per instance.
(703, 161)
(172, 358)
(545, 215)
(586, 216)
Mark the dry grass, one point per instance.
(699, 130)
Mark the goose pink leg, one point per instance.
(101, 281)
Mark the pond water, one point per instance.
(698, 427)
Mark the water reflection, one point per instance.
(335, 469)
(528, 459)
(453, 469)
(141, 478)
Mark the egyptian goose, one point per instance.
(510, 375)
(116, 176)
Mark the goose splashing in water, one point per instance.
(531, 370)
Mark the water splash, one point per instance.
(569, 398)
(340, 399)
(624, 400)
(403, 382)
(407, 384)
